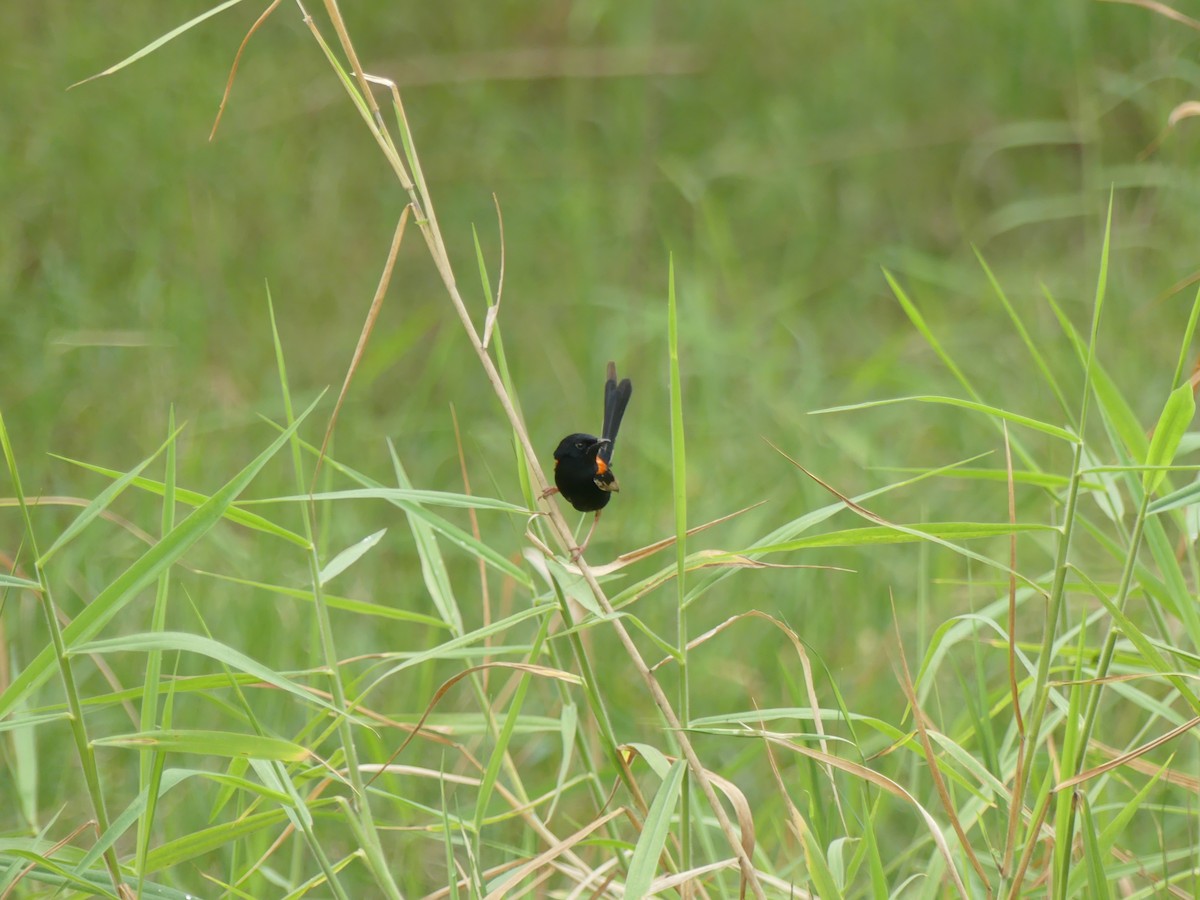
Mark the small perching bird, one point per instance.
(583, 462)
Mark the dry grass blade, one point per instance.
(339, 25)
(887, 784)
(708, 559)
(1127, 757)
(649, 550)
(904, 529)
(549, 854)
(432, 733)
(237, 58)
(804, 663)
(529, 668)
(732, 792)
(1163, 10)
(796, 818)
(385, 279)
(669, 882)
(493, 312)
(1179, 779)
(1031, 845)
(935, 774)
(524, 810)
(717, 629)
(49, 853)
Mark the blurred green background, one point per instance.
(782, 152)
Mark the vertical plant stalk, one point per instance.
(1075, 765)
(427, 222)
(679, 485)
(1054, 605)
(152, 764)
(1110, 640)
(1054, 611)
(361, 805)
(87, 754)
(1018, 790)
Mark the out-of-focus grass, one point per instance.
(783, 153)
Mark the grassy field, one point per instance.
(211, 685)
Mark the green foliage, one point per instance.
(759, 211)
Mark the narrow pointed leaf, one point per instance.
(1176, 417)
(143, 572)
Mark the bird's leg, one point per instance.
(548, 492)
(578, 551)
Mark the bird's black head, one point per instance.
(579, 446)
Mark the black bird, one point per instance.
(582, 463)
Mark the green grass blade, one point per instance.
(410, 495)
(1097, 311)
(350, 556)
(1176, 416)
(433, 565)
(656, 827)
(1116, 409)
(150, 768)
(992, 411)
(110, 601)
(24, 584)
(918, 321)
(347, 604)
(208, 743)
(223, 836)
(1030, 345)
(196, 499)
(903, 534)
(1185, 344)
(1093, 855)
(679, 500)
(184, 642)
(159, 42)
(1184, 496)
(103, 501)
(488, 783)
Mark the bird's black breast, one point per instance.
(575, 473)
(576, 480)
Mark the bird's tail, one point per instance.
(616, 398)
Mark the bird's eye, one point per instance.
(579, 445)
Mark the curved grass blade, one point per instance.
(193, 643)
(350, 556)
(208, 743)
(1034, 424)
(196, 499)
(1176, 416)
(144, 571)
(103, 501)
(156, 44)
(427, 498)
(655, 829)
(346, 604)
